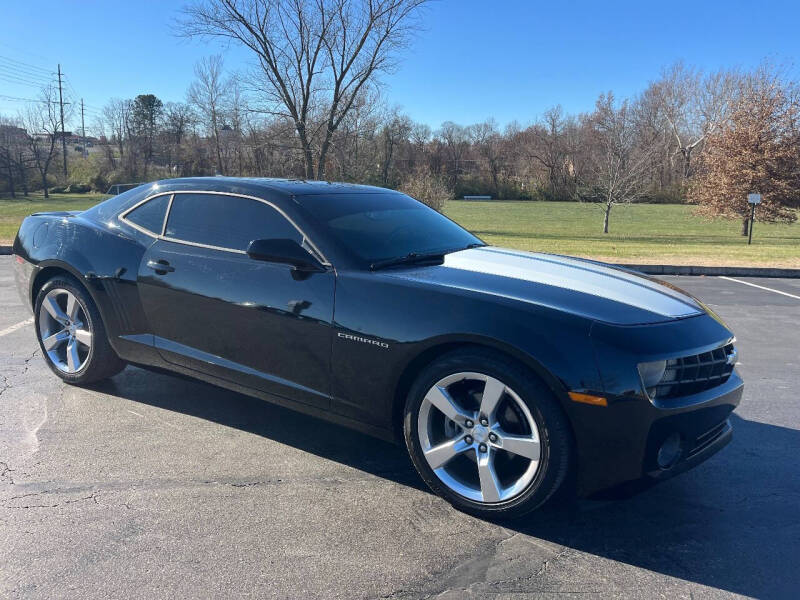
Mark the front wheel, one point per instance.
(71, 333)
(486, 434)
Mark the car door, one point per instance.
(214, 309)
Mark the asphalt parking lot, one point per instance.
(154, 486)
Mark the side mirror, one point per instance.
(284, 251)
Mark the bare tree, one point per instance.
(426, 187)
(420, 136)
(620, 158)
(209, 95)
(489, 145)
(694, 105)
(547, 147)
(455, 143)
(394, 133)
(178, 119)
(13, 140)
(315, 56)
(353, 155)
(42, 123)
(116, 119)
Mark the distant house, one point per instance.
(10, 132)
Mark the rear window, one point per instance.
(150, 215)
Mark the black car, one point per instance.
(506, 373)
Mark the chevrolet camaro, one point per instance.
(508, 375)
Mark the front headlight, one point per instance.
(652, 373)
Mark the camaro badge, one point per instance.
(358, 338)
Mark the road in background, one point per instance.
(149, 485)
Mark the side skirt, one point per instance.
(371, 430)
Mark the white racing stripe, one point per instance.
(15, 326)
(761, 287)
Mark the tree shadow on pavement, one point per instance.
(732, 523)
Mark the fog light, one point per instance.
(670, 451)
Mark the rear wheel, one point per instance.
(71, 333)
(487, 434)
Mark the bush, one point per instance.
(88, 173)
(674, 194)
(99, 182)
(78, 188)
(426, 187)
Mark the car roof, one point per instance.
(295, 187)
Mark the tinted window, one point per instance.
(379, 226)
(226, 221)
(150, 215)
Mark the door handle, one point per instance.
(160, 266)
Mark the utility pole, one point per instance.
(83, 133)
(63, 133)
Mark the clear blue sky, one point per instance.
(507, 59)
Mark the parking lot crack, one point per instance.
(542, 570)
(470, 572)
(93, 496)
(26, 364)
(246, 484)
(4, 473)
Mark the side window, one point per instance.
(225, 221)
(150, 215)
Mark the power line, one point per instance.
(25, 64)
(17, 98)
(39, 82)
(71, 89)
(23, 51)
(10, 79)
(18, 71)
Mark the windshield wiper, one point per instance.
(418, 257)
(408, 259)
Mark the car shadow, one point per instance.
(252, 415)
(732, 523)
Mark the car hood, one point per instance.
(594, 290)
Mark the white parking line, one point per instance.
(15, 326)
(761, 287)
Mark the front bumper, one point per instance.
(619, 444)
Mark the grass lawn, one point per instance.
(639, 233)
(643, 233)
(13, 211)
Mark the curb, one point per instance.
(714, 271)
(677, 270)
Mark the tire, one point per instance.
(93, 358)
(519, 487)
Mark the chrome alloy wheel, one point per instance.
(479, 437)
(65, 330)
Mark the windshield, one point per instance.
(380, 226)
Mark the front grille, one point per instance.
(693, 374)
